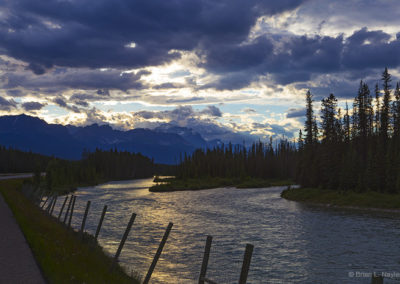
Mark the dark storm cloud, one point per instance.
(229, 58)
(7, 104)
(36, 68)
(15, 93)
(371, 49)
(76, 79)
(103, 92)
(98, 33)
(87, 35)
(79, 97)
(212, 111)
(82, 103)
(62, 103)
(293, 112)
(31, 106)
(299, 58)
(232, 81)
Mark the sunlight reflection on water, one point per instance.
(293, 243)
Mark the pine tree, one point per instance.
(363, 112)
(309, 124)
(396, 112)
(328, 116)
(385, 111)
(300, 141)
(346, 123)
(377, 110)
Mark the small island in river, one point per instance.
(175, 184)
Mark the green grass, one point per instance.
(208, 183)
(369, 199)
(60, 252)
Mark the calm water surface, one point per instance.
(294, 243)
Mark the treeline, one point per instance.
(353, 149)
(98, 166)
(266, 161)
(94, 167)
(16, 161)
(356, 148)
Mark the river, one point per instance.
(293, 242)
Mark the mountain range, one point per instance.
(165, 143)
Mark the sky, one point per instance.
(225, 68)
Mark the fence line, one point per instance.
(67, 222)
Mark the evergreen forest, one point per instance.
(356, 148)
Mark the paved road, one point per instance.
(17, 264)
(14, 176)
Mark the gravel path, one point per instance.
(17, 264)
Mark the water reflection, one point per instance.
(293, 243)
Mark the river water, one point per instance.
(293, 242)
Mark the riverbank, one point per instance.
(350, 199)
(173, 184)
(60, 252)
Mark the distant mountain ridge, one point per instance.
(165, 143)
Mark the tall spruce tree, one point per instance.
(385, 111)
(300, 141)
(377, 109)
(346, 124)
(396, 112)
(328, 116)
(309, 124)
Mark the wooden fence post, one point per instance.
(62, 207)
(54, 204)
(124, 237)
(100, 222)
(85, 216)
(206, 256)
(50, 204)
(246, 264)
(69, 206)
(45, 201)
(72, 212)
(158, 253)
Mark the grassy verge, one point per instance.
(208, 183)
(368, 199)
(60, 252)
